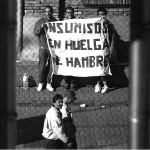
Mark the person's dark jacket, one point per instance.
(68, 122)
(112, 36)
(38, 31)
(112, 41)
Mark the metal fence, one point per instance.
(30, 42)
(27, 43)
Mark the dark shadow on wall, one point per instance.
(118, 78)
(31, 81)
(30, 129)
(122, 49)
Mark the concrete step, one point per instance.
(32, 98)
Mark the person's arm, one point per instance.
(57, 127)
(113, 54)
(47, 131)
(38, 28)
(113, 39)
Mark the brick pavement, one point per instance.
(103, 124)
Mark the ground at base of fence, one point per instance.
(102, 124)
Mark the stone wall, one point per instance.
(33, 9)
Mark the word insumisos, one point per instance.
(72, 27)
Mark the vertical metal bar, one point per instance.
(7, 75)
(62, 5)
(19, 29)
(139, 66)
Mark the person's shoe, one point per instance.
(97, 88)
(105, 89)
(73, 87)
(40, 87)
(49, 87)
(66, 86)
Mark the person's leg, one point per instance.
(51, 144)
(66, 82)
(98, 84)
(104, 80)
(41, 67)
(50, 71)
(61, 145)
(99, 81)
(73, 140)
(67, 79)
(49, 76)
(55, 144)
(105, 83)
(74, 144)
(73, 83)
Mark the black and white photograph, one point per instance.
(75, 74)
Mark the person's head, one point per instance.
(58, 101)
(69, 97)
(69, 12)
(48, 11)
(101, 13)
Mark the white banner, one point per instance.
(80, 47)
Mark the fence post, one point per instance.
(19, 28)
(139, 65)
(7, 75)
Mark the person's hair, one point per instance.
(69, 93)
(70, 8)
(101, 9)
(57, 97)
(50, 7)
